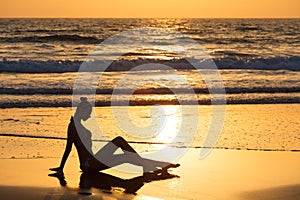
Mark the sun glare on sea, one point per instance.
(170, 125)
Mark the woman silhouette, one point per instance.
(105, 157)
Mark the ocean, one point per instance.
(258, 60)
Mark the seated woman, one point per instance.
(105, 157)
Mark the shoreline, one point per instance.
(149, 143)
(154, 103)
(31, 132)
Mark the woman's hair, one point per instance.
(83, 107)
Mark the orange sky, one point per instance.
(150, 8)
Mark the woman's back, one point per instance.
(81, 137)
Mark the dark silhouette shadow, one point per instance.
(91, 163)
(106, 182)
(79, 136)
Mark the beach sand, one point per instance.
(224, 174)
(256, 157)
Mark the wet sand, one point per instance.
(224, 174)
(255, 127)
(257, 156)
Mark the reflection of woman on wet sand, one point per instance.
(106, 182)
(105, 157)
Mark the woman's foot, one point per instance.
(171, 166)
(165, 169)
(57, 169)
(156, 170)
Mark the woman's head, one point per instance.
(84, 109)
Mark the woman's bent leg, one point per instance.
(112, 146)
(106, 156)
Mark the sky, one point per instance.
(151, 8)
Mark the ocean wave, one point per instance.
(147, 91)
(230, 62)
(249, 28)
(54, 38)
(137, 102)
(228, 41)
(39, 66)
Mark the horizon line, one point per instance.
(74, 17)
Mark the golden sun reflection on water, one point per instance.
(170, 125)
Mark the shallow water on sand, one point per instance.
(40, 132)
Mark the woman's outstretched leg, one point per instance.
(106, 156)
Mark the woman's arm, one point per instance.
(70, 140)
(64, 158)
(66, 153)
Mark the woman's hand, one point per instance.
(57, 169)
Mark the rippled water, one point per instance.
(72, 39)
(259, 60)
